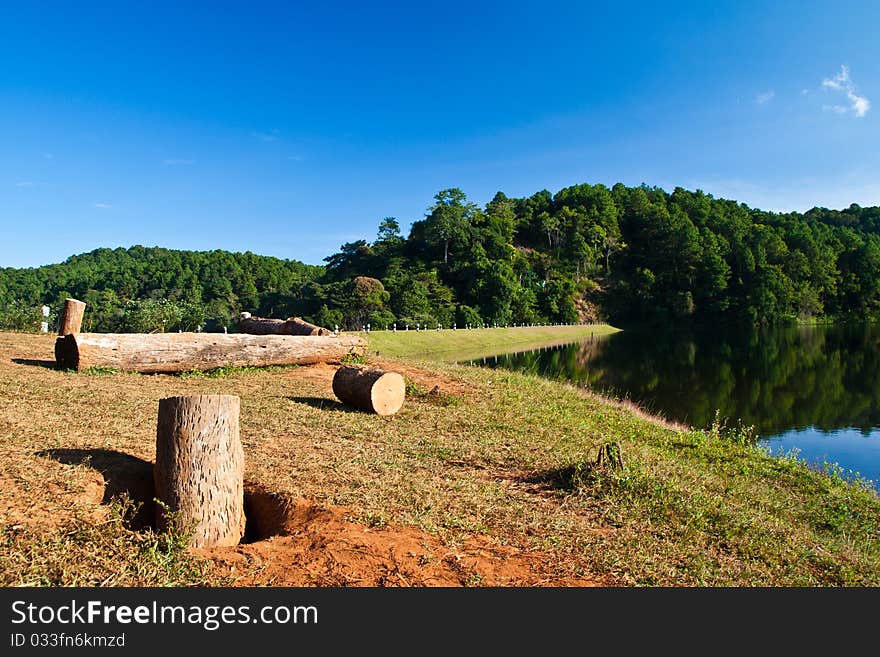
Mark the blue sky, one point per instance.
(287, 129)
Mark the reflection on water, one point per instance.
(816, 389)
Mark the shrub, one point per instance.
(20, 316)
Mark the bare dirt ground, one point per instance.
(320, 546)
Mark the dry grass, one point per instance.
(471, 453)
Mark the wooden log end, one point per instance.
(299, 326)
(370, 389)
(388, 393)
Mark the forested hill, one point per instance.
(628, 254)
(631, 254)
(154, 288)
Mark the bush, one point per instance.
(326, 318)
(381, 319)
(422, 319)
(160, 316)
(466, 315)
(20, 316)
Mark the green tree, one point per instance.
(449, 219)
(389, 232)
(368, 298)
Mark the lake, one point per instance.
(814, 389)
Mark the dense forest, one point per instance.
(588, 252)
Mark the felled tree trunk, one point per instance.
(179, 352)
(369, 389)
(71, 317)
(289, 326)
(199, 469)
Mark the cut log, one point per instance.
(289, 326)
(179, 352)
(71, 317)
(199, 469)
(369, 389)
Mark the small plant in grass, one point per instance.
(414, 390)
(835, 515)
(99, 371)
(575, 476)
(741, 434)
(353, 358)
(840, 475)
(215, 373)
(230, 370)
(377, 520)
(591, 473)
(175, 536)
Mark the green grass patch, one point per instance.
(464, 344)
(231, 370)
(82, 553)
(98, 371)
(352, 358)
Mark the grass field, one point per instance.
(484, 477)
(464, 344)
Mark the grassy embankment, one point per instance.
(463, 344)
(492, 454)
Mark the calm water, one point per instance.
(813, 389)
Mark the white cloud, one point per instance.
(839, 80)
(103, 206)
(172, 161)
(858, 105)
(765, 97)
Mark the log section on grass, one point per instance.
(289, 326)
(369, 389)
(71, 317)
(199, 469)
(180, 352)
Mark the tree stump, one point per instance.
(610, 456)
(369, 389)
(199, 469)
(71, 317)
